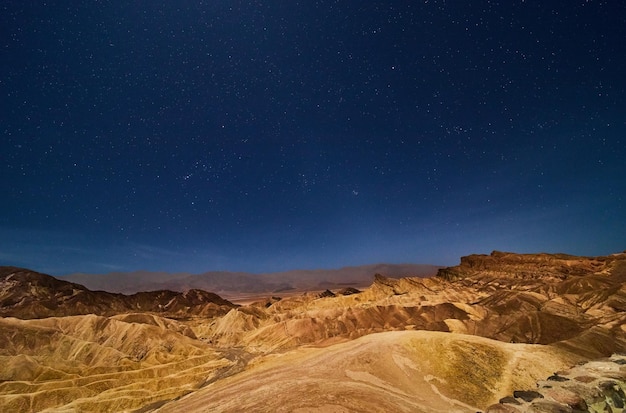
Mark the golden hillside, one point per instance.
(460, 341)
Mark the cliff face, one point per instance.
(574, 302)
(547, 267)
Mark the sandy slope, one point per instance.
(99, 364)
(397, 346)
(402, 371)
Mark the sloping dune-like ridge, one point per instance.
(408, 371)
(92, 363)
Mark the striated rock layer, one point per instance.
(581, 313)
(97, 364)
(477, 336)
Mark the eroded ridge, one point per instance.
(463, 340)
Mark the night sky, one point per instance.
(266, 136)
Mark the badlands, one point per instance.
(502, 332)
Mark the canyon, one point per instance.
(503, 332)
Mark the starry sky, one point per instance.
(271, 135)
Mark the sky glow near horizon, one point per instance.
(195, 136)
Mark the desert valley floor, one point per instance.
(498, 333)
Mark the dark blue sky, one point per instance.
(265, 136)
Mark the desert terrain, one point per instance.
(503, 332)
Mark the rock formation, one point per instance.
(500, 332)
(596, 386)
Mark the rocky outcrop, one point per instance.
(348, 291)
(547, 267)
(596, 386)
(576, 303)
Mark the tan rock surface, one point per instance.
(387, 348)
(408, 371)
(92, 363)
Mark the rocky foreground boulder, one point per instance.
(596, 386)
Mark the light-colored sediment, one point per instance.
(457, 342)
(404, 371)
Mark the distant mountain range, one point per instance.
(228, 283)
(28, 294)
